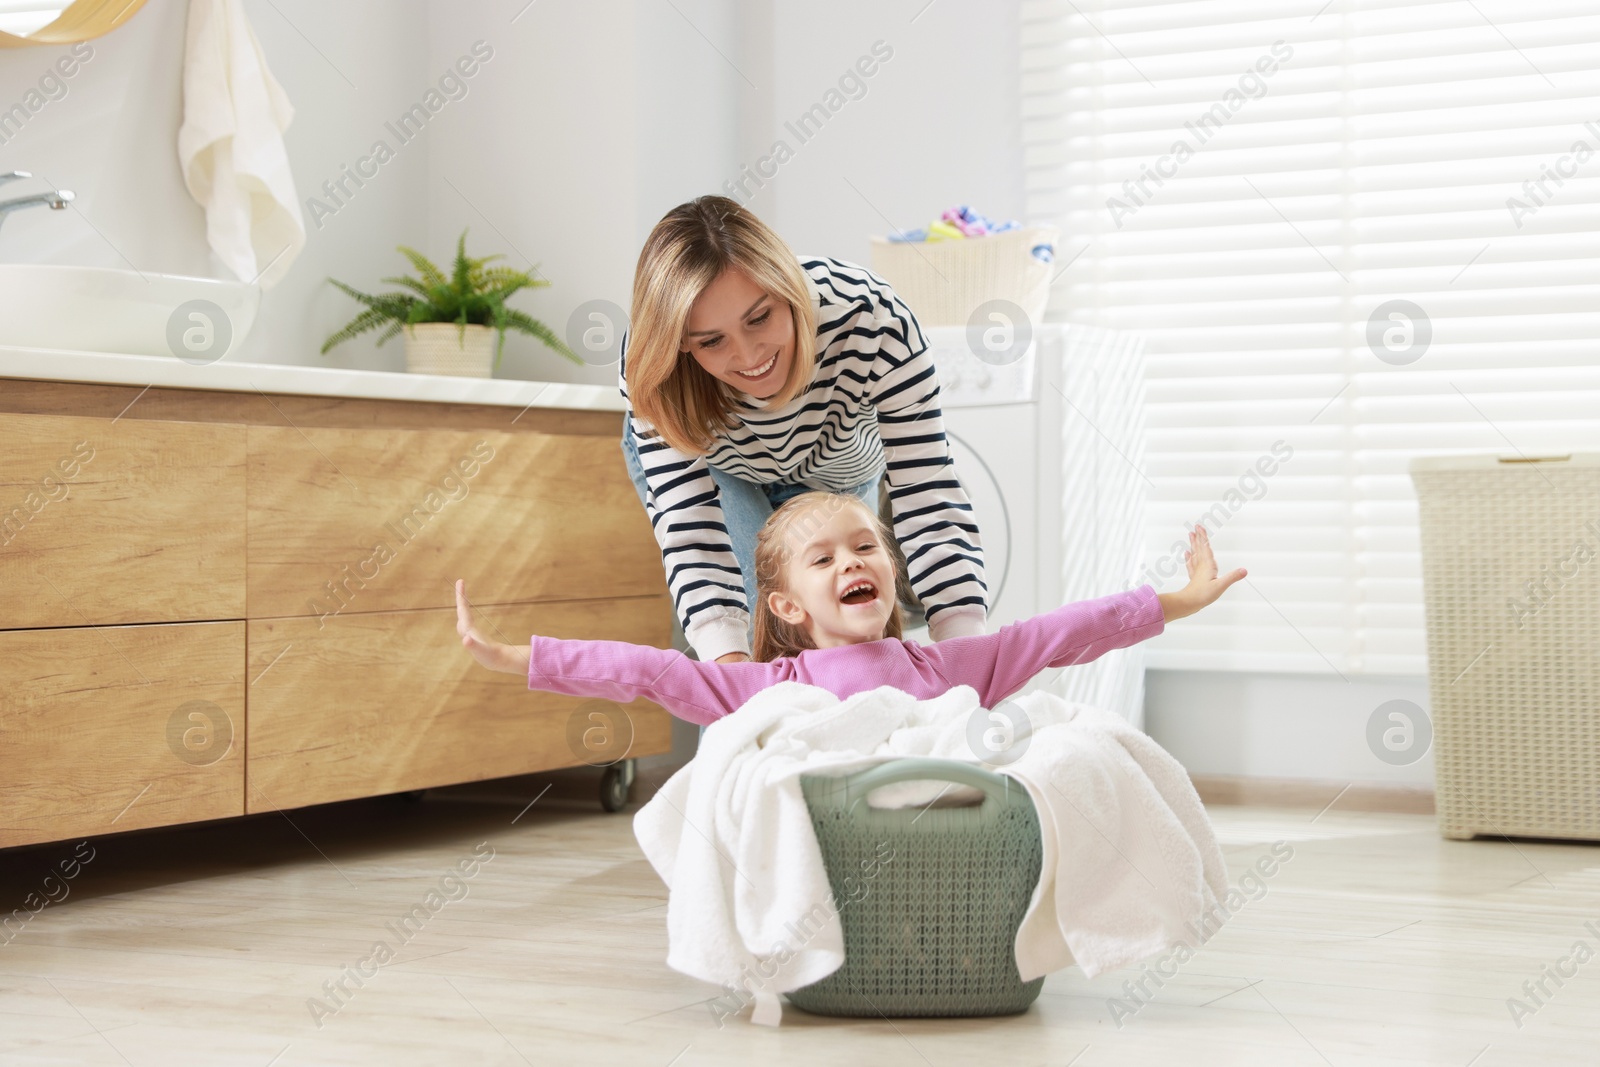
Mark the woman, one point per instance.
(753, 376)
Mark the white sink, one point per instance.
(99, 309)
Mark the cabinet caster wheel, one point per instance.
(615, 781)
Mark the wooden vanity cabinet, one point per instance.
(216, 603)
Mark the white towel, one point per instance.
(231, 145)
(1129, 855)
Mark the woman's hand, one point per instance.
(1204, 586)
(496, 655)
(733, 657)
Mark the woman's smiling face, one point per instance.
(741, 334)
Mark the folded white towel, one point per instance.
(1129, 855)
(231, 145)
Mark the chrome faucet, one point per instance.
(55, 200)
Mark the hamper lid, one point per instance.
(1503, 459)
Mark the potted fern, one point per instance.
(453, 324)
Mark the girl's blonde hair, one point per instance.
(786, 532)
(686, 252)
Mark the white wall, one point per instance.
(1278, 725)
(939, 123)
(348, 68)
(593, 120)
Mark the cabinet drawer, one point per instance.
(366, 704)
(370, 519)
(121, 727)
(120, 521)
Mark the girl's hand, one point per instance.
(733, 657)
(1204, 585)
(496, 655)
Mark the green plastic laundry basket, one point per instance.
(929, 898)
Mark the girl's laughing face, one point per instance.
(838, 577)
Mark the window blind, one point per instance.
(1349, 232)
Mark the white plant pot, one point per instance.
(442, 348)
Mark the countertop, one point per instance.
(102, 368)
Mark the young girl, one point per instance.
(826, 615)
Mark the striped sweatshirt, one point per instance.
(872, 408)
(995, 665)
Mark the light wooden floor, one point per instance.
(1378, 943)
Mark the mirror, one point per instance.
(48, 22)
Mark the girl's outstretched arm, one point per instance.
(999, 664)
(616, 670)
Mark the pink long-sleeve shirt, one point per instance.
(996, 665)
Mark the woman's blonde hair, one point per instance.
(686, 252)
(785, 534)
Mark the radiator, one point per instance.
(1102, 495)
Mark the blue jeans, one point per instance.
(745, 508)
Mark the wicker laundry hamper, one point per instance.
(1511, 580)
(944, 282)
(929, 898)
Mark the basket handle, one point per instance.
(922, 768)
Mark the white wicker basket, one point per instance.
(440, 348)
(1514, 673)
(944, 282)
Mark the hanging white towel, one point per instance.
(1130, 859)
(231, 145)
